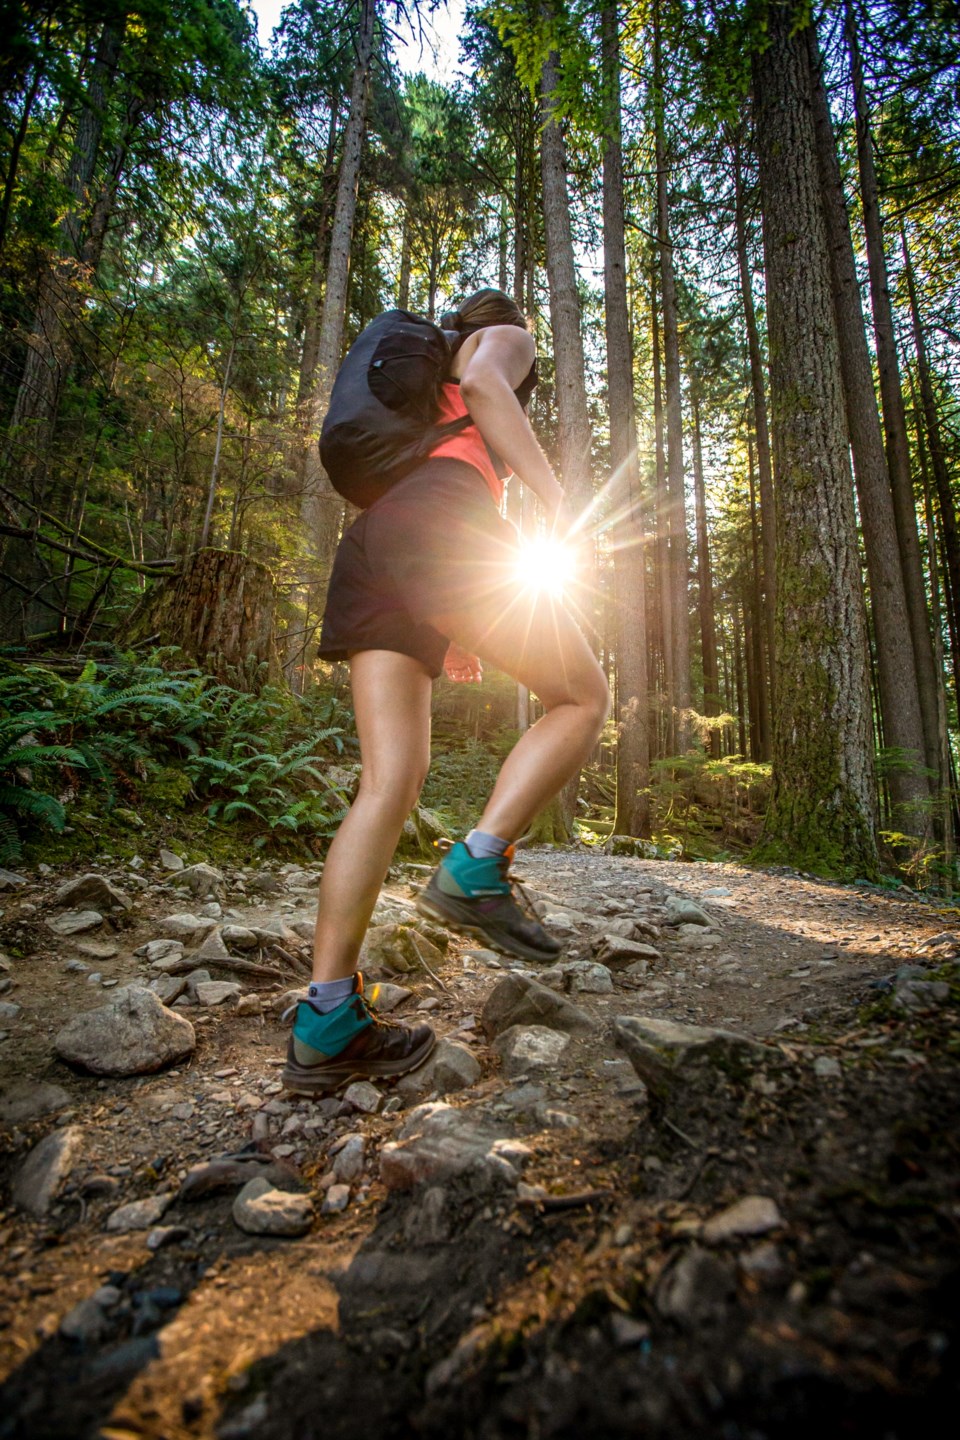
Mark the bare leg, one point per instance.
(539, 644)
(391, 697)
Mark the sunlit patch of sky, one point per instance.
(432, 47)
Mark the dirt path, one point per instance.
(568, 1262)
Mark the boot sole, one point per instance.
(514, 949)
(302, 1080)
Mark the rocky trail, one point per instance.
(698, 1178)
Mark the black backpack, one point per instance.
(382, 418)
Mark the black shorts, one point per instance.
(433, 545)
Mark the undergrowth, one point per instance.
(105, 737)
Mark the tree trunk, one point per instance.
(13, 163)
(680, 696)
(708, 626)
(219, 609)
(406, 248)
(49, 351)
(664, 592)
(896, 671)
(321, 509)
(894, 419)
(822, 810)
(938, 458)
(764, 738)
(633, 702)
(312, 307)
(768, 513)
(572, 414)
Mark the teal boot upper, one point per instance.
(317, 1036)
(463, 874)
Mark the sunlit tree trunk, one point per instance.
(633, 702)
(321, 509)
(822, 810)
(708, 628)
(680, 697)
(663, 586)
(312, 305)
(570, 370)
(768, 514)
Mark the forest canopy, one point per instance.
(735, 230)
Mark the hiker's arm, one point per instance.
(500, 363)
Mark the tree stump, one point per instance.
(220, 610)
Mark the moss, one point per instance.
(549, 827)
(170, 787)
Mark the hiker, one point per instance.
(427, 580)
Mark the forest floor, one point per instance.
(762, 1238)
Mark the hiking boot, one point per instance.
(351, 1042)
(475, 897)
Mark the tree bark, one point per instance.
(938, 458)
(764, 738)
(822, 810)
(572, 414)
(894, 418)
(570, 370)
(768, 512)
(677, 513)
(49, 351)
(708, 625)
(406, 247)
(219, 609)
(896, 668)
(321, 509)
(632, 816)
(663, 586)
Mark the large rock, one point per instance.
(75, 922)
(217, 992)
(161, 953)
(213, 948)
(239, 937)
(10, 881)
(439, 1143)
(202, 881)
(680, 911)
(93, 892)
(450, 1067)
(518, 1000)
(617, 953)
(187, 927)
(670, 1057)
(753, 1215)
(133, 1035)
(386, 997)
(259, 1209)
(140, 1214)
(530, 1050)
(585, 977)
(29, 1099)
(39, 1178)
(399, 949)
(168, 988)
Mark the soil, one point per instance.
(597, 1305)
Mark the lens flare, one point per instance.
(545, 566)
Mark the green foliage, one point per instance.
(122, 726)
(460, 779)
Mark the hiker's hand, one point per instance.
(462, 667)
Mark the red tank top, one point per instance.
(468, 444)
